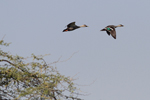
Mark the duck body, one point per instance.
(72, 26)
(110, 29)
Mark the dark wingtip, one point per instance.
(114, 37)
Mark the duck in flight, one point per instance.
(110, 29)
(72, 26)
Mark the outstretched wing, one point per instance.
(111, 30)
(71, 24)
(113, 33)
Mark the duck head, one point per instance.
(120, 25)
(84, 25)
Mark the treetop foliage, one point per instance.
(34, 79)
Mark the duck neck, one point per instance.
(82, 26)
(118, 26)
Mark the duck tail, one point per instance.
(65, 30)
(103, 29)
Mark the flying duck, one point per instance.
(110, 29)
(72, 26)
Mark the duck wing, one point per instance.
(71, 24)
(113, 33)
(108, 32)
(111, 30)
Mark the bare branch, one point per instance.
(69, 57)
(3, 36)
(63, 60)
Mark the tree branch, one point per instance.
(3, 60)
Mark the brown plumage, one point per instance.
(72, 26)
(110, 29)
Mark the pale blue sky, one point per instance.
(121, 66)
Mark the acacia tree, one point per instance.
(34, 79)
